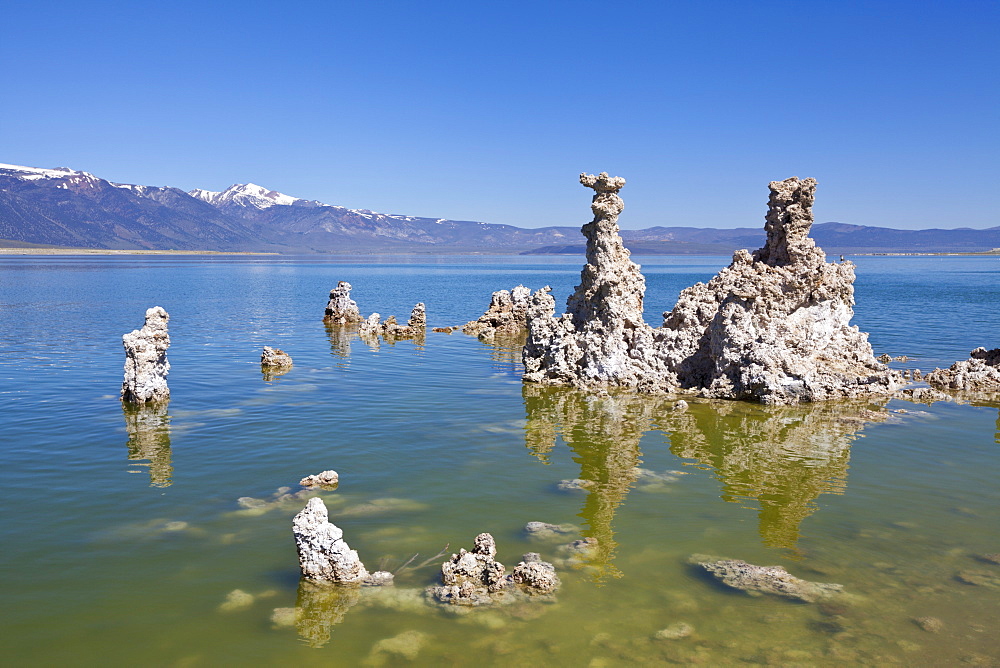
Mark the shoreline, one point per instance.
(109, 251)
(969, 253)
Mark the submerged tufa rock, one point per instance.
(323, 554)
(341, 309)
(546, 531)
(675, 631)
(772, 327)
(765, 579)
(274, 357)
(981, 372)
(146, 364)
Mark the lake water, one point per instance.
(123, 538)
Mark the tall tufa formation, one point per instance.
(418, 317)
(341, 309)
(602, 340)
(772, 327)
(775, 326)
(146, 364)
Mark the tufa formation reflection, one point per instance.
(148, 427)
(781, 458)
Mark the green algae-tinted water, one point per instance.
(123, 538)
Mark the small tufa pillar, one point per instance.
(341, 309)
(418, 317)
(146, 364)
(324, 556)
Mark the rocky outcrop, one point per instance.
(468, 578)
(324, 556)
(765, 579)
(534, 574)
(772, 327)
(415, 328)
(979, 373)
(476, 578)
(275, 358)
(324, 479)
(341, 309)
(507, 315)
(923, 395)
(146, 364)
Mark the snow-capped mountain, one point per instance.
(72, 208)
(243, 195)
(36, 173)
(65, 207)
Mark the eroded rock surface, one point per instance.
(341, 309)
(772, 327)
(324, 556)
(507, 315)
(146, 364)
(765, 579)
(275, 358)
(979, 373)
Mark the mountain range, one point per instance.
(69, 208)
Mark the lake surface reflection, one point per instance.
(161, 535)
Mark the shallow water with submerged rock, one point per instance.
(163, 536)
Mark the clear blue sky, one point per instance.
(489, 111)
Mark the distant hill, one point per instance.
(65, 207)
